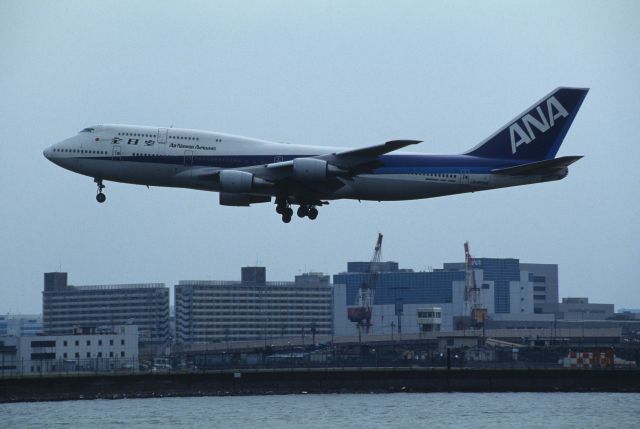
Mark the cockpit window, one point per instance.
(87, 130)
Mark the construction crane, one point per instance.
(360, 313)
(472, 291)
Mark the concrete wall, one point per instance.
(323, 380)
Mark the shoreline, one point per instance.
(243, 382)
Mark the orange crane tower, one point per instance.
(360, 313)
(472, 291)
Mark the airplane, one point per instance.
(247, 171)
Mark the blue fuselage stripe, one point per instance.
(391, 164)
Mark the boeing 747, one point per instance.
(247, 171)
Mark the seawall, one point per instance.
(323, 380)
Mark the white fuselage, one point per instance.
(184, 158)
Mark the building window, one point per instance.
(77, 354)
(38, 356)
(110, 354)
(99, 342)
(121, 354)
(65, 343)
(99, 354)
(88, 342)
(89, 354)
(77, 343)
(110, 342)
(43, 343)
(122, 342)
(64, 355)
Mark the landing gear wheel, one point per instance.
(101, 198)
(313, 213)
(283, 208)
(303, 211)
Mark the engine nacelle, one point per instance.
(241, 182)
(242, 200)
(310, 169)
(236, 181)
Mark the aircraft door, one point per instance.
(162, 141)
(188, 158)
(464, 177)
(115, 154)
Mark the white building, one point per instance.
(21, 324)
(252, 308)
(429, 319)
(86, 350)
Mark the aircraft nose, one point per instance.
(48, 152)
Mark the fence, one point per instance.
(334, 357)
(42, 367)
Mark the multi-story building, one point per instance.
(545, 284)
(507, 292)
(398, 295)
(252, 308)
(86, 349)
(21, 324)
(502, 271)
(579, 309)
(66, 307)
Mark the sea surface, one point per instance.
(367, 411)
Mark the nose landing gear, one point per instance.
(100, 197)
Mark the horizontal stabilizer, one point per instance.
(540, 167)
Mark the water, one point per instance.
(395, 410)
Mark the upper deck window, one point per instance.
(87, 130)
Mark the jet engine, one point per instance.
(240, 182)
(313, 169)
(238, 200)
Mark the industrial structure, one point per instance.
(490, 289)
(360, 313)
(474, 313)
(66, 307)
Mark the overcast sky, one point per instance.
(317, 73)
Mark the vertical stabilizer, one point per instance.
(537, 133)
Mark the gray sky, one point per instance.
(320, 73)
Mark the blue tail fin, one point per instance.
(536, 133)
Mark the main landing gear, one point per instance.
(284, 209)
(101, 198)
(307, 210)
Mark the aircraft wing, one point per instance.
(539, 167)
(345, 163)
(355, 157)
